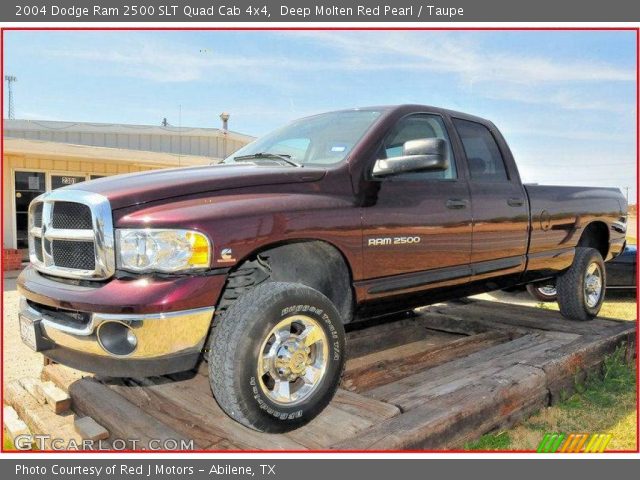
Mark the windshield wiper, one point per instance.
(280, 156)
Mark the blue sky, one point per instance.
(564, 100)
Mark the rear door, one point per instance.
(500, 211)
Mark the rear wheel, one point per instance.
(276, 356)
(581, 289)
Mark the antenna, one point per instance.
(10, 79)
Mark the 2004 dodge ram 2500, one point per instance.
(336, 217)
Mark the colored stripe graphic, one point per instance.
(574, 443)
(550, 443)
(598, 443)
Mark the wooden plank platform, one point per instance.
(435, 380)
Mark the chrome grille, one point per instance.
(70, 254)
(38, 248)
(72, 216)
(37, 215)
(71, 235)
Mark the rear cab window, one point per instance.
(484, 158)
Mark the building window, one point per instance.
(28, 185)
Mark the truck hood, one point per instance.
(137, 188)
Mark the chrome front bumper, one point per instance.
(158, 335)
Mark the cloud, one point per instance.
(496, 74)
(440, 52)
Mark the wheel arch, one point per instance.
(315, 263)
(596, 235)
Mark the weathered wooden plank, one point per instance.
(122, 418)
(441, 317)
(40, 419)
(177, 416)
(61, 375)
(15, 427)
(379, 368)
(586, 354)
(58, 400)
(189, 407)
(47, 393)
(410, 392)
(373, 410)
(352, 412)
(493, 314)
(363, 340)
(348, 414)
(452, 419)
(89, 429)
(34, 387)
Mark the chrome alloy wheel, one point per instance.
(293, 360)
(593, 285)
(548, 290)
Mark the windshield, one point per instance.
(323, 139)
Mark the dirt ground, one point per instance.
(18, 359)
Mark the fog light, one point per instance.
(117, 338)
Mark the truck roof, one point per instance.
(414, 107)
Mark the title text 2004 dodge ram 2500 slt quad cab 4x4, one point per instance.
(333, 218)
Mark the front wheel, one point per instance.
(581, 289)
(277, 356)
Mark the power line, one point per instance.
(10, 79)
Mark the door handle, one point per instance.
(456, 204)
(515, 202)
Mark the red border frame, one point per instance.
(63, 452)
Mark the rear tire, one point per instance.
(276, 356)
(581, 289)
(543, 292)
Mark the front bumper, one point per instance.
(71, 323)
(165, 342)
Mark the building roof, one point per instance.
(57, 150)
(95, 127)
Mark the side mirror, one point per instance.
(423, 155)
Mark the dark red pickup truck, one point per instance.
(256, 264)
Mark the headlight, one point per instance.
(161, 250)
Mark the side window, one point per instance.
(483, 155)
(415, 127)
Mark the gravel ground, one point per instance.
(18, 359)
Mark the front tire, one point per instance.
(581, 289)
(276, 356)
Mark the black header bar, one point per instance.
(427, 11)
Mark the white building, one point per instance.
(39, 156)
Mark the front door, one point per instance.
(417, 232)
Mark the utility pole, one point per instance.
(224, 116)
(10, 79)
